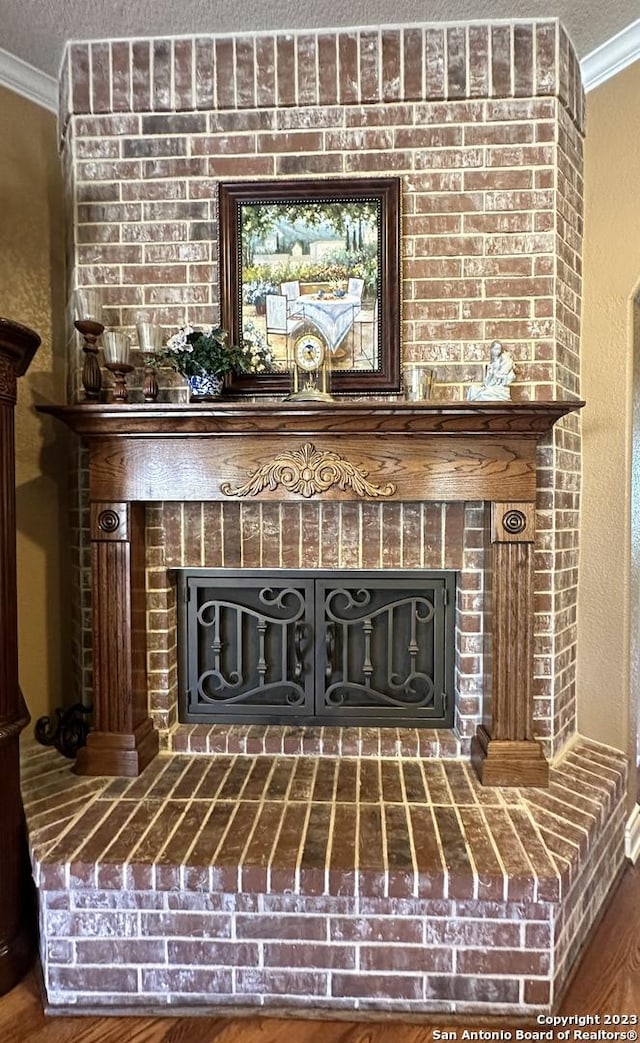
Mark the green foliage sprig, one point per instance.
(195, 352)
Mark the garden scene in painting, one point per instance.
(313, 265)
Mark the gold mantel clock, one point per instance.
(310, 368)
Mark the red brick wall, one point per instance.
(482, 123)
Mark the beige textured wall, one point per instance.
(32, 292)
(607, 596)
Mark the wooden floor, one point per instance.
(607, 981)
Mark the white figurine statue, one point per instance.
(499, 374)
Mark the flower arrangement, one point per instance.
(197, 352)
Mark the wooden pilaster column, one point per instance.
(17, 908)
(123, 740)
(504, 751)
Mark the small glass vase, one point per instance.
(205, 387)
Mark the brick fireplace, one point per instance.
(482, 123)
(449, 897)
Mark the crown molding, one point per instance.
(611, 57)
(24, 79)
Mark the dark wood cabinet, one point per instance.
(17, 909)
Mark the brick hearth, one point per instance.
(218, 880)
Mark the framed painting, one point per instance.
(320, 256)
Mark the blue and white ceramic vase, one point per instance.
(205, 387)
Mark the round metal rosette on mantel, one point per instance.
(205, 387)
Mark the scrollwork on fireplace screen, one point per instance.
(352, 620)
(316, 648)
(256, 642)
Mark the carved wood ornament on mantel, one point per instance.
(308, 471)
(339, 451)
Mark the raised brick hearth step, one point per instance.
(352, 882)
(326, 741)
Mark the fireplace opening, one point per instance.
(316, 647)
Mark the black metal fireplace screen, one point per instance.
(316, 647)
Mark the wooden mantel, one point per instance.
(282, 451)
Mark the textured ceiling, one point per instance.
(37, 30)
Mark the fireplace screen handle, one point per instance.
(330, 647)
(299, 634)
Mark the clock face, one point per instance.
(309, 352)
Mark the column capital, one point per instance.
(110, 521)
(8, 381)
(513, 522)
